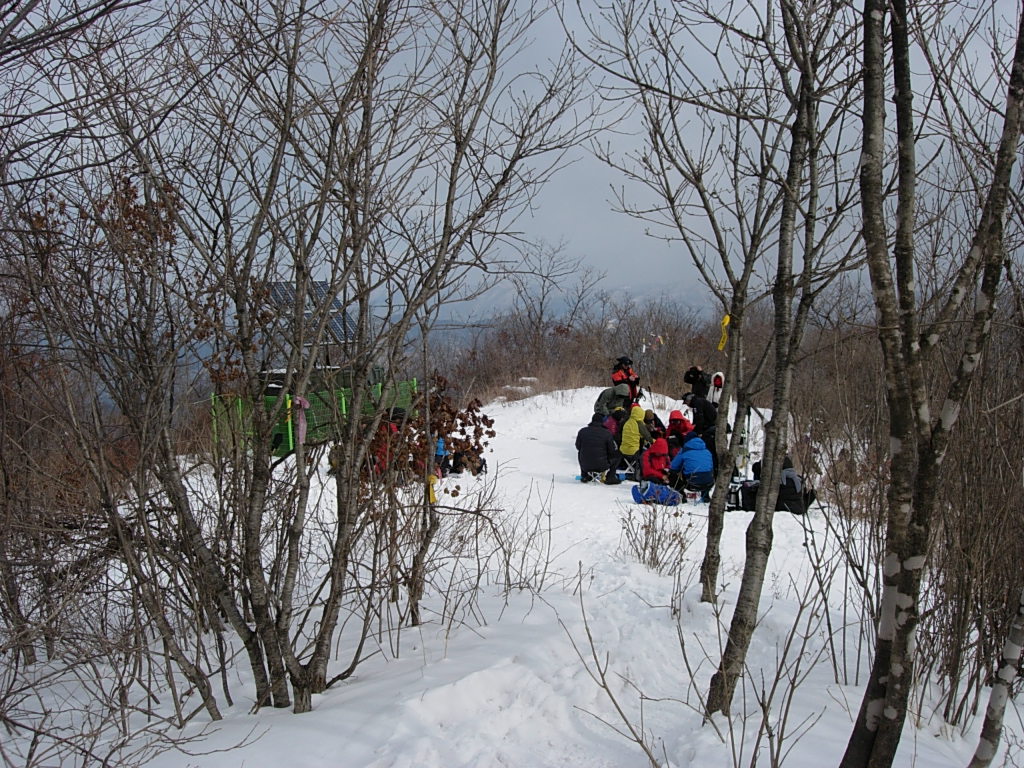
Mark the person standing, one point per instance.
(442, 462)
(623, 373)
(705, 417)
(705, 414)
(699, 381)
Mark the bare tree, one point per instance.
(744, 115)
(41, 123)
(918, 440)
(293, 159)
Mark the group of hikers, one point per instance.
(623, 435)
(624, 440)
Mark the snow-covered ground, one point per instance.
(517, 685)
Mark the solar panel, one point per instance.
(339, 323)
(319, 290)
(282, 294)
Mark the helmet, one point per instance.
(624, 360)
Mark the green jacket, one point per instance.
(612, 398)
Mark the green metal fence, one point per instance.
(232, 419)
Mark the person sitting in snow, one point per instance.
(623, 373)
(635, 437)
(654, 425)
(692, 467)
(654, 462)
(678, 428)
(596, 451)
(613, 422)
(795, 495)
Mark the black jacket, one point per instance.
(794, 496)
(704, 415)
(791, 495)
(699, 381)
(596, 448)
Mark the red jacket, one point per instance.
(654, 461)
(627, 375)
(679, 426)
(381, 445)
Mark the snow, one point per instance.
(515, 684)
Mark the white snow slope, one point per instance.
(516, 683)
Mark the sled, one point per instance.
(647, 492)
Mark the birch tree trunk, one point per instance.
(992, 728)
(718, 159)
(918, 444)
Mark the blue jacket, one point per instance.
(693, 457)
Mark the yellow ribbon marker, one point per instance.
(725, 333)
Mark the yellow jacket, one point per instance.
(635, 434)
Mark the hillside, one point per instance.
(516, 683)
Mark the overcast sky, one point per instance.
(576, 209)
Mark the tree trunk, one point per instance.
(759, 532)
(734, 385)
(992, 728)
(22, 634)
(417, 577)
(918, 445)
(207, 570)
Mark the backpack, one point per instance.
(614, 421)
(656, 493)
